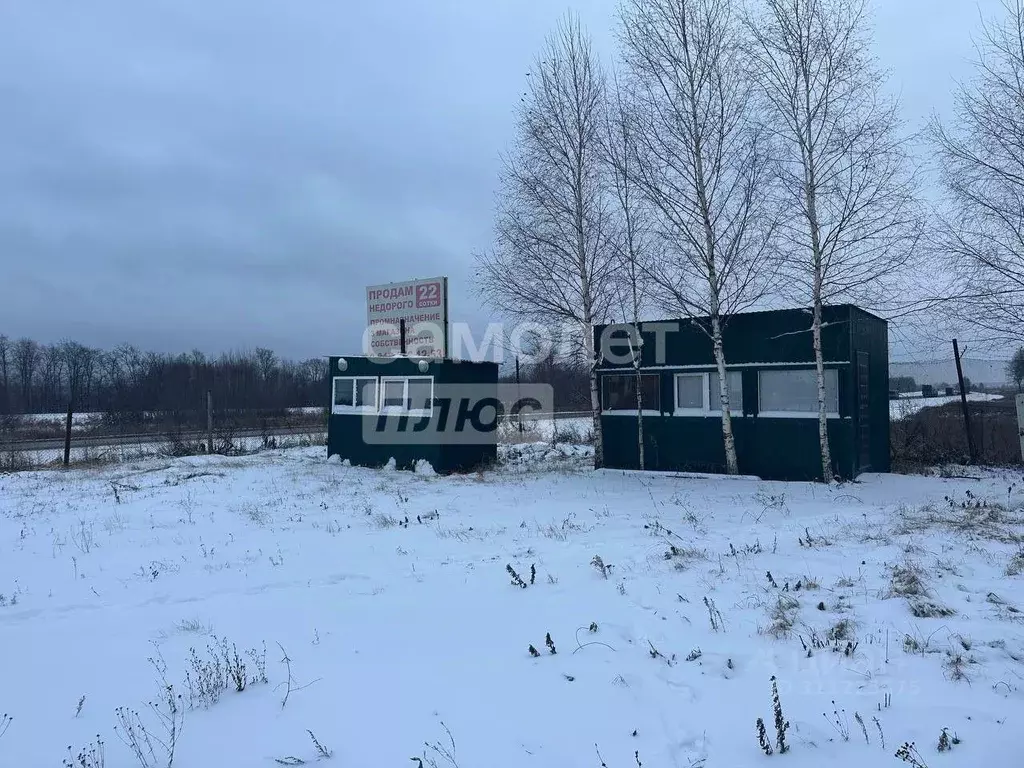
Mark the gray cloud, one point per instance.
(184, 174)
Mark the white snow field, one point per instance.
(893, 613)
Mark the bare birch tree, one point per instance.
(981, 157)
(844, 166)
(79, 367)
(633, 243)
(702, 165)
(551, 262)
(51, 374)
(26, 359)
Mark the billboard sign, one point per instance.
(421, 304)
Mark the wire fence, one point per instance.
(937, 435)
(51, 440)
(30, 443)
(96, 452)
(920, 438)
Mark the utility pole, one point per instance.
(963, 405)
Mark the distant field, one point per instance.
(911, 404)
(43, 426)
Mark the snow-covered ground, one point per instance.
(545, 427)
(886, 610)
(137, 451)
(78, 420)
(537, 429)
(908, 406)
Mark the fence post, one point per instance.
(67, 436)
(963, 404)
(209, 421)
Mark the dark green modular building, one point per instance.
(773, 394)
(411, 409)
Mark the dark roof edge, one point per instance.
(784, 310)
(411, 358)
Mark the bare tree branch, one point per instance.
(981, 156)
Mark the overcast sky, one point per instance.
(225, 174)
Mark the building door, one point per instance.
(863, 411)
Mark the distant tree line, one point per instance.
(902, 384)
(45, 378)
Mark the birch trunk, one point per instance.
(826, 455)
(637, 352)
(811, 198)
(731, 464)
(595, 400)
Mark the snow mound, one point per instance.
(424, 468)
(530, 455)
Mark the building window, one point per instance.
(421, 394)
(698, 394)
(355, 394)
(394, 393)
(620, 393)
(691, 393)
(366, 393)
(735, 379)
(795, 392)
(414, 394)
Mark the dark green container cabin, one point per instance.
(403, 396)
(773, 394)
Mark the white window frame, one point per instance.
(384, 381)
(404, 409)
(703, 410)
(353, 383)
(420, 411)
(715, 408)
(708, 408)
(795, 414)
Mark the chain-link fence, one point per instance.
(37, 442)
(936, 435)
(41, 441)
